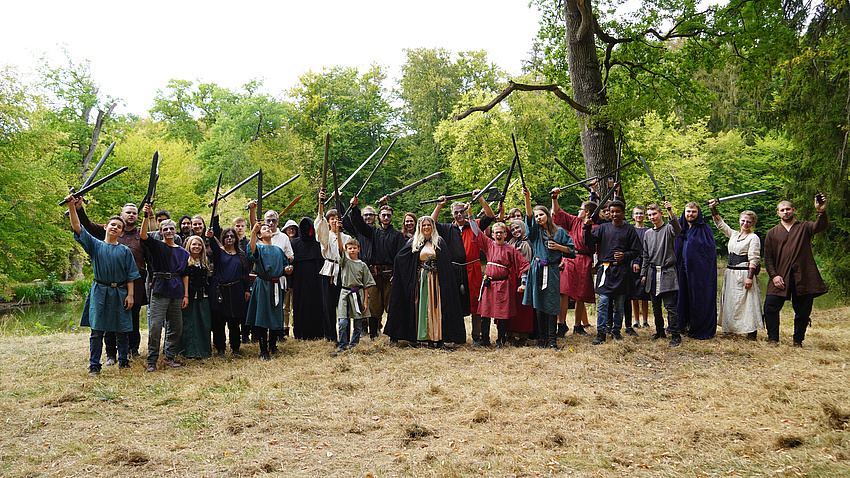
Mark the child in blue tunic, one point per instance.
(543, 290)
(265, 309)
(110, 298)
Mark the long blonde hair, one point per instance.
(419, 238)
(203, 260)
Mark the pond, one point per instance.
(45, 319)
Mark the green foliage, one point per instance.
(51, 290)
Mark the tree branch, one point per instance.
(523, 87)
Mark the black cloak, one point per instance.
(401, 318)
(307, 301)
(452, 236)
(697, 267)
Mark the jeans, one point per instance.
(610, 322)
(96, 347)
(344, 330)
(164, 312)
(133, 338)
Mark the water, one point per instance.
(42, 319)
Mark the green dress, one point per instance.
(197, 320)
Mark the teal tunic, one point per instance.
(104, 309)
(352, 274)
(263, 310)
(547, 300)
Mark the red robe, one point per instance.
(499, 293)
(577, 276)
(473, 266)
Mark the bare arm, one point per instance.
(528, 211)
(252, 243)
(252, 212)
(128, 301)
(555, 192)
(143, 231)
(72, 214)
(487, 209)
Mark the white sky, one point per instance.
(134, 49)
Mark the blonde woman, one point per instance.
(197, 320)
(740, 299)
(425, 298)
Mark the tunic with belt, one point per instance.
(613, 277)
(353, 274)
(265, 309)
(543, 288)
(112, 264)
(658, 261)
(740, 308)
(231, 282)
(498, 300)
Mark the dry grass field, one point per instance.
(724, 407)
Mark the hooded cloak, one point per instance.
(697, 267)
(307, 301)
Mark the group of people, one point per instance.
(335, 277)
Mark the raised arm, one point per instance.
(436, 214)
(555, 192)
(72, 214)
(143, 231)
(528, 211)
(252, 212)
(488, 211)
(252, 243)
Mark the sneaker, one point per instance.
(151, 368)
(171, 362)
(799, 345)
(675, 341)
(772, 342)
(94, 370)
(646, 325)
(110, 361)
(600, 338)
(636, 325)
(659, 335)
(617, 336)
(265, 357)
(631, 331)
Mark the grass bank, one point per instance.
(634, 408)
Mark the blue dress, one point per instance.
(112, 263)
(265, 308)
(547, 300)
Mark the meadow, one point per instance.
(723, 407)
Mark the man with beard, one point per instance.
(466, 259)
(385, 242)
(696, 254)
(185, 227)
(132, 239)
(791, 266)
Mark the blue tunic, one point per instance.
(104, 309)
(547, 300)
(265, 308)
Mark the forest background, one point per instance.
(719, 101)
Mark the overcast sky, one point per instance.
(135, 48)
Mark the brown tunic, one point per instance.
(791, 250)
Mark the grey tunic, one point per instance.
(658, 258)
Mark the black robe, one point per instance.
(457, 253)
(307, 301)
(697, 267)
(401, 318)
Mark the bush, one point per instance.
(81, 288)
(51, 290)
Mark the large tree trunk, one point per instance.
(597, 140)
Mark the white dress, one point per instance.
(740, 308)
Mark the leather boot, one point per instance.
(562, 330)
